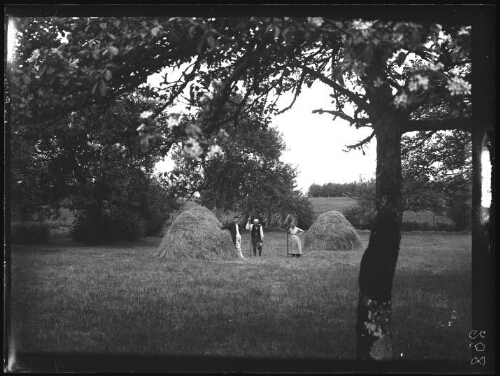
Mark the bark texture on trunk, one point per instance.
(378, 263)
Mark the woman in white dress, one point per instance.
(295, 247)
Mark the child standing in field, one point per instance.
(295, 246)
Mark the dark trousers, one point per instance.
(257, 244)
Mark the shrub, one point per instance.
(424, 226)
(417, 226)
(89, 231)
(409, 226)
(156, 207)
(361, 215)
(460, 214)
(108, 228)
(29, 233)
(130, 227)
(154, 225)
(155, 214)
(444, 227)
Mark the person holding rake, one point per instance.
(295, 246)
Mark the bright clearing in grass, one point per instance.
(123, 299)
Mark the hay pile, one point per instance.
(196, 234)
(332, 231)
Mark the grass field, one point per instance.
(122, 299)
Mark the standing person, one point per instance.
(234, 229)
(287, 224)
(257, 235)
(296, 248)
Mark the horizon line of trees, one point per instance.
(331, 189)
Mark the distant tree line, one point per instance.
(353, 189)
(436, 169)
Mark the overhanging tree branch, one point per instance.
(188, 78)
(352, 96)
(343, 115)
(360, 144)
(225, 92)
(298, 90)
(240, 106)
(464, 124)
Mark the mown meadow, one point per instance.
(121, 299)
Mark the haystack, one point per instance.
(332, 231)
(196, 233)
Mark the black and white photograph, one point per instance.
(249, 188)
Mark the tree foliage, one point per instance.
(423, 65)
(437, 172)
(242, 171)
(91, 163)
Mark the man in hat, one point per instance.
(257, 235)
(234, 229)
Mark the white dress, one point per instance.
(295, 247)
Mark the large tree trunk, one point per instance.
(378, 263)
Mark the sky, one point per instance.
(315, 142)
